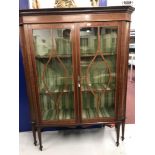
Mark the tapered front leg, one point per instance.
(117, 133)
(123, 129)
(40, 139)
(34, 132)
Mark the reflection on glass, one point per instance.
(88, 40)
(48, 39)
(42, 42)
(63, 43)
(108, 39)
(55, 73)
(98, 71)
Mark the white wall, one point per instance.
(114, 2)
(83, 3)
(44, 3)
(133, 21)
(50, 3)
(119, 3)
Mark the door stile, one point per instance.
(77, 30)
(74, 60)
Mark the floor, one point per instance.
(130, 105)
(96, 141)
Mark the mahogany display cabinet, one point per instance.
(76, 66)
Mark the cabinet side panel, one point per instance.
(124, 53)
(27, 77)
(28, 71)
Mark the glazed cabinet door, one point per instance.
(53, 57)
(97, 70)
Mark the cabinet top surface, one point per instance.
(77, 10)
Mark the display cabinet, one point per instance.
(76, 64)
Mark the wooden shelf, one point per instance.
(92, 55)
(69, 55)
(47, 56)
(70, 88)
(96, 90)
(83, 89)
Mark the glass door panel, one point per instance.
(108, 39)
(53, 55)
(88, 41)
(98, 71)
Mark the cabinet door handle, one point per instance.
(79, 81)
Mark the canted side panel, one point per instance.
(26, 71)
(123, 69)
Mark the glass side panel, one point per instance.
(53, 53)
(98, 71)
